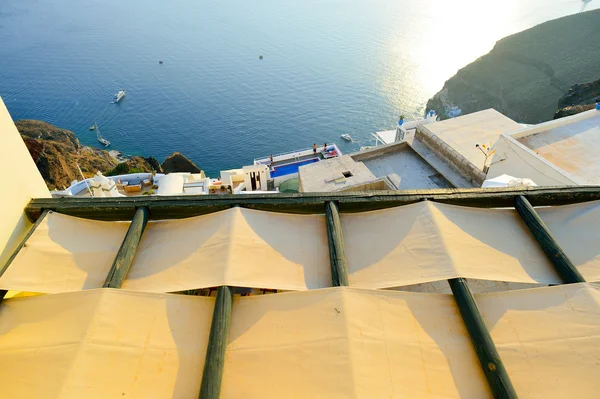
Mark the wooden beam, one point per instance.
(177, 207)
(217, 343)
(563, 265)
(20, 246)
(491, 364)
(337, 254)
(126, 254)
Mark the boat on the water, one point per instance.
(346, 137)
(93, 127)
(101, 139)
(119, 96)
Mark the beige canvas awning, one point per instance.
(419, 243)
(239, 247)
(548, 339)
(65, 254)
(430, 241)
(103, 344)
(577, 230)
(350, 343)
(330, 343)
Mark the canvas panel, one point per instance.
(278, 250)
(427, 242)
(103, 343)
(182, 254)
(547, 338)
(577, 229)
(395, 247)
(239, 247)
(343, 342)
(64, 254)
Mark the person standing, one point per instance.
(271, 158)
(325, 147)
(314, 148)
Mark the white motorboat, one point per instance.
(119, 96)
(346, 137)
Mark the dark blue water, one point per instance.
(329, 67)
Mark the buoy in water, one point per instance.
(160, 62)
(260, 57)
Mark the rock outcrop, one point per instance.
(526, 74)
(580, 98)
(177, 162)
(135, 165)
(572, 110)
(57, 152)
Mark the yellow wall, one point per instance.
(19, 182)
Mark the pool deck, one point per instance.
(299, 155)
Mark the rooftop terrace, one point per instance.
(463, 133)
(572, 144)
(401, 159)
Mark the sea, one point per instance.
(328, 67)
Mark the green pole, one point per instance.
(562, 264)
(217, 343)
(337, 254)
(491, 364)
(126, 254)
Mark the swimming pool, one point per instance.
(290, 168)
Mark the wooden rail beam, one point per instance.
(562, 264)
(128, 249)
(491, 364)
(337, 253)
(177, 207)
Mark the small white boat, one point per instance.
(346, 137)
(104, 141)
(119, 96)
(101, 139)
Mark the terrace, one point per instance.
(287, 164)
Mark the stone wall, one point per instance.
(471, 172)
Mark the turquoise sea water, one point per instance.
(329, 67)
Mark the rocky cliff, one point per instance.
(57, 152)
(526, 74)
(579, 98)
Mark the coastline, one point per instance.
(526, 74)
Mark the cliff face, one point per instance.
(526, 74)
(57, 153)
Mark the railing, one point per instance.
(293, 155)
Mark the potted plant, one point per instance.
(401, 120)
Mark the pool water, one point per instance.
(290, 168)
